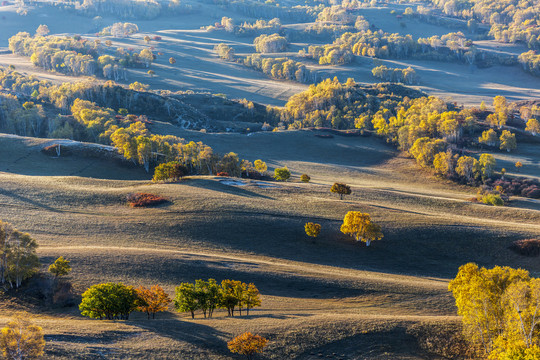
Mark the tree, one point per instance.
(18, 259)
(60, 267)
(109, 301)
(341, 189)
(486, 165)
(260, 166)
(489, 138)
(21, 340)
(185, 299)
(466, 166)
(508, 141)
(151, 73)
(518, 165)
(230, 295)
(500, 104)
(170, 171)
(152, 300)
(247, 344)
(251, 297)
(305, 178)
(42, 30)
(207, 296)
(360, 226)
(147, 38)
(282, 174)
(533, 126)
(172, 61)
(312, 230)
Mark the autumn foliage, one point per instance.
(144, 200)
(500, 310)
(360, 226)
(152, 300)
(247, 344)
(21, 340)
(312, 230)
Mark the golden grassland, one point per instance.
(328, 297)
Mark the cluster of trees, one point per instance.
(378, 44)
(531, 62)
(224, 51)
(267, 10)
(209, 295)
(270, 43)
(500, 310)
(18, 259)
(129, 9)
(507, 140)
(120, 30)
(77, 56)
(335, 54)
(247, 29)
(112, 301)
(341, 105)
(280, 68)
(510, 20)
(407, 76)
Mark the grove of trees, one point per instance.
(207, 296)
(500, 310)
(270, 43)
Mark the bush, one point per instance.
(282, 174)
(305, 178)
(526, 247)
(492, 199)
(145, 200)
(223, 173)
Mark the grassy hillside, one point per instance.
(330, 296)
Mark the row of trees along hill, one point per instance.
(406, 76)
(247, 29)
(77, 56)
(127, 9)
(276, 68)
(268, 10)
(500, 310)
(510, 20)
(378, 44)
(207, 296)
(112, 301)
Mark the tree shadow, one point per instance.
(27, 200)
(229, 189)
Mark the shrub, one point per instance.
(223, 173)
(145, 200)
(247, 344)
(492, 199)
(305, 178)
(60, 267)
(526, 247)
(282, 174)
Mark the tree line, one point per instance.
(406, 76)
(77, 56)
(116, 301)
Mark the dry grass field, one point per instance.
(329, 298)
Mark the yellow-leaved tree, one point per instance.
(360, 226)
(21, 340)
(500, 310)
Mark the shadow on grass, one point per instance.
(229, 189)
(24, 199)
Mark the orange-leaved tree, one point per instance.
(152, 300)
(247, 344)
(360, 226)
